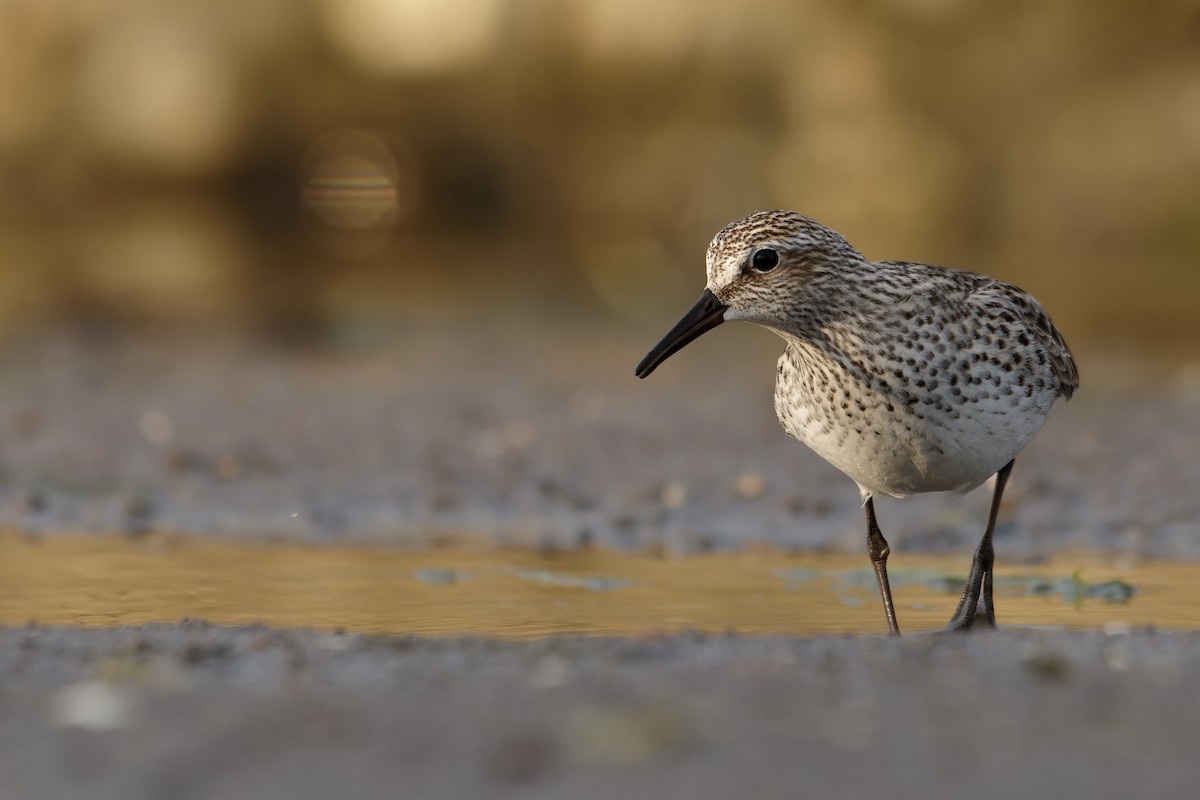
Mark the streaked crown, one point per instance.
(801, 247)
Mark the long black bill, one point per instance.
(708, 313)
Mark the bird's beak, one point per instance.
(708, 313)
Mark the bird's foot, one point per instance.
(981, 617)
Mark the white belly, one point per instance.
(935, 442)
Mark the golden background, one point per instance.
(330, 168)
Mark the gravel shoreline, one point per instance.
(527, 444)
(195, 710)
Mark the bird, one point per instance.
(906, 377)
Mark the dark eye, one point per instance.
(764, 260)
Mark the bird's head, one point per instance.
(759, 268)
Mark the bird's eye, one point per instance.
(764, 260)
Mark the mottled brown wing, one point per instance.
(1060, 356)
(958, 293)
(1039, 325)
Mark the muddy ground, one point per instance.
(194, 711)
(550, 442)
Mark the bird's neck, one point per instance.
(834, 299)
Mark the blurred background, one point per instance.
(341, 169)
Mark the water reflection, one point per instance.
(112, 581)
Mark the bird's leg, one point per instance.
(877, 548)
(977, 594)
(985, 606)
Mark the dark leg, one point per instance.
(977, 595)
(877, 548)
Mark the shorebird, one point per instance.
(907, 377)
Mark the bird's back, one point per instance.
(924, 379)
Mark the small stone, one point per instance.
(156, 427)
(229, 467)
(33, 502)
(750, 485)
(674, 494)
(91, 705)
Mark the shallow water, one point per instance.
(107, 581)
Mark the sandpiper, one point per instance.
(907, 377)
